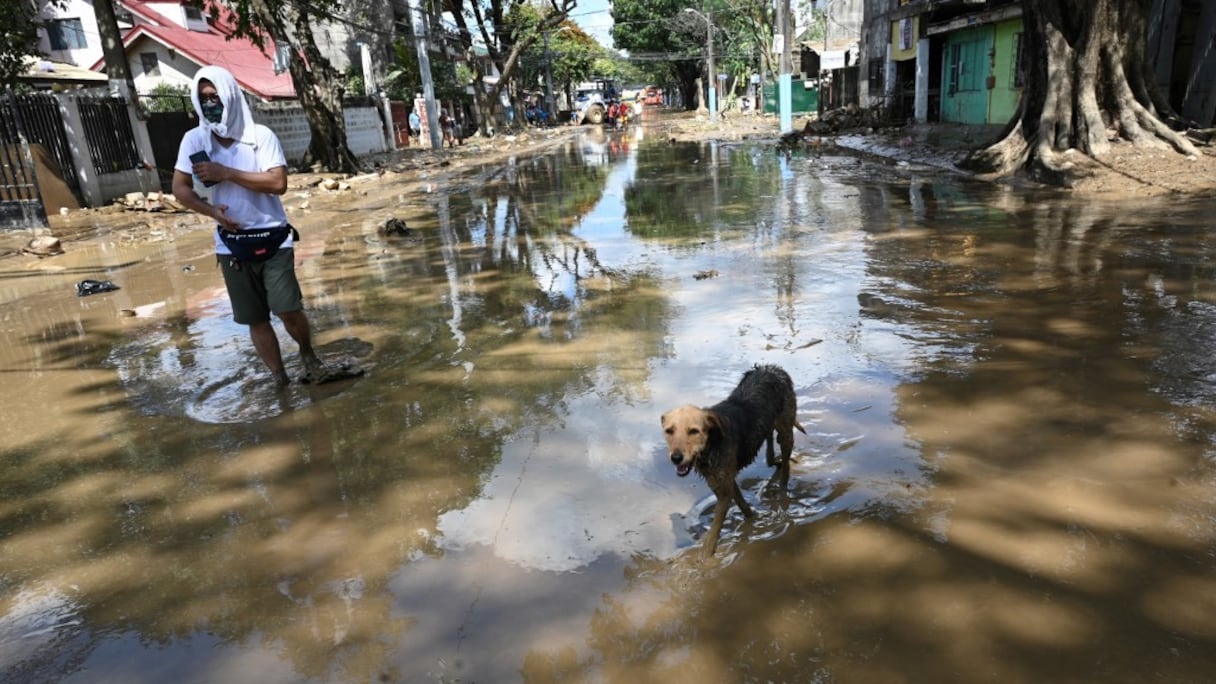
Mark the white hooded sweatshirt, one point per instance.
(254, 147)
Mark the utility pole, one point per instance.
(713, 77)
(424, 66)
(785, 79)
(114, 54)
(548, 78)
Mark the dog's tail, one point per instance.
(799, 426)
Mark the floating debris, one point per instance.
(91, 287)
(395, 227)
(42, 247)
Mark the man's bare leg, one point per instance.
(267, 345)
(296, 324)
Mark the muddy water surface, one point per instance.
(1007, 474)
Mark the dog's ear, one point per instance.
(714, 421)
(663, 419)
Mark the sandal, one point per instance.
(318, 373)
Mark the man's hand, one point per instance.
(183, 190)
(210, 172)
(226, 224)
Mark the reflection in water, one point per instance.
(1007, 470)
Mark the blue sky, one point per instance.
(594, 17)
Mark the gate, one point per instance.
(20, 205)
(400, 124)
(168, 119)
(33, 119)
(166, 130)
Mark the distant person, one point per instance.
(243, 163)
(448, 126)
(415, 125)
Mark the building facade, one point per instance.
(961, 60)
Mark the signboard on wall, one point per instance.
(903, 38)
(832, 59)
(906, 33)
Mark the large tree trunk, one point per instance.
(1087, 80)
(318, 86)
(688, 75)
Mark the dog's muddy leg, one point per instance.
(781, 476)
(738, 494)
(711, 538)
(720, 509)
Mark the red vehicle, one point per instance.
(652, 96)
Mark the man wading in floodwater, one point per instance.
(243, 164)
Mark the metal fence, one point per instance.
(41, 122)
(20, 201)
(108, 132)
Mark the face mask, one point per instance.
(213, 112)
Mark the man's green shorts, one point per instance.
(258, 288)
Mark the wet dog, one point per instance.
(723, 439)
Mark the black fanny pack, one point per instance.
(258, 244)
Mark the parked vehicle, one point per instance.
(591, 101)
(652, 96)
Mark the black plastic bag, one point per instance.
(91, 287)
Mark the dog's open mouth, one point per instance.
(683, 469)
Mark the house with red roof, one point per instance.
(170, 41)
(167, 41)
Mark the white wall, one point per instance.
(174, 68)
(364, 132)
(74, 9)
(175, 12)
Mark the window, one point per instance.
(150, 63)
(66, 34)
(193, 12)
(1019, 62)
(877, 76)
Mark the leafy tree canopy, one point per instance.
(18, 38)
(667, 38)
(318, 85)
(574, 53)
(508, 29)
(644, 29)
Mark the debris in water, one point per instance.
(91, 287)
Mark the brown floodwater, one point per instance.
(1007, 474)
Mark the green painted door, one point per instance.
(965, 69)
(802, 99)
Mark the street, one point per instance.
(1007, 471)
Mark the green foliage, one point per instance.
(574, 53)
(447, 83)
(354, 80)
(653, 30)
(573, 57)
(644, 27)
(672, 40)
(403, 78)
(166, 97)
(18, 38)
(816, 31)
